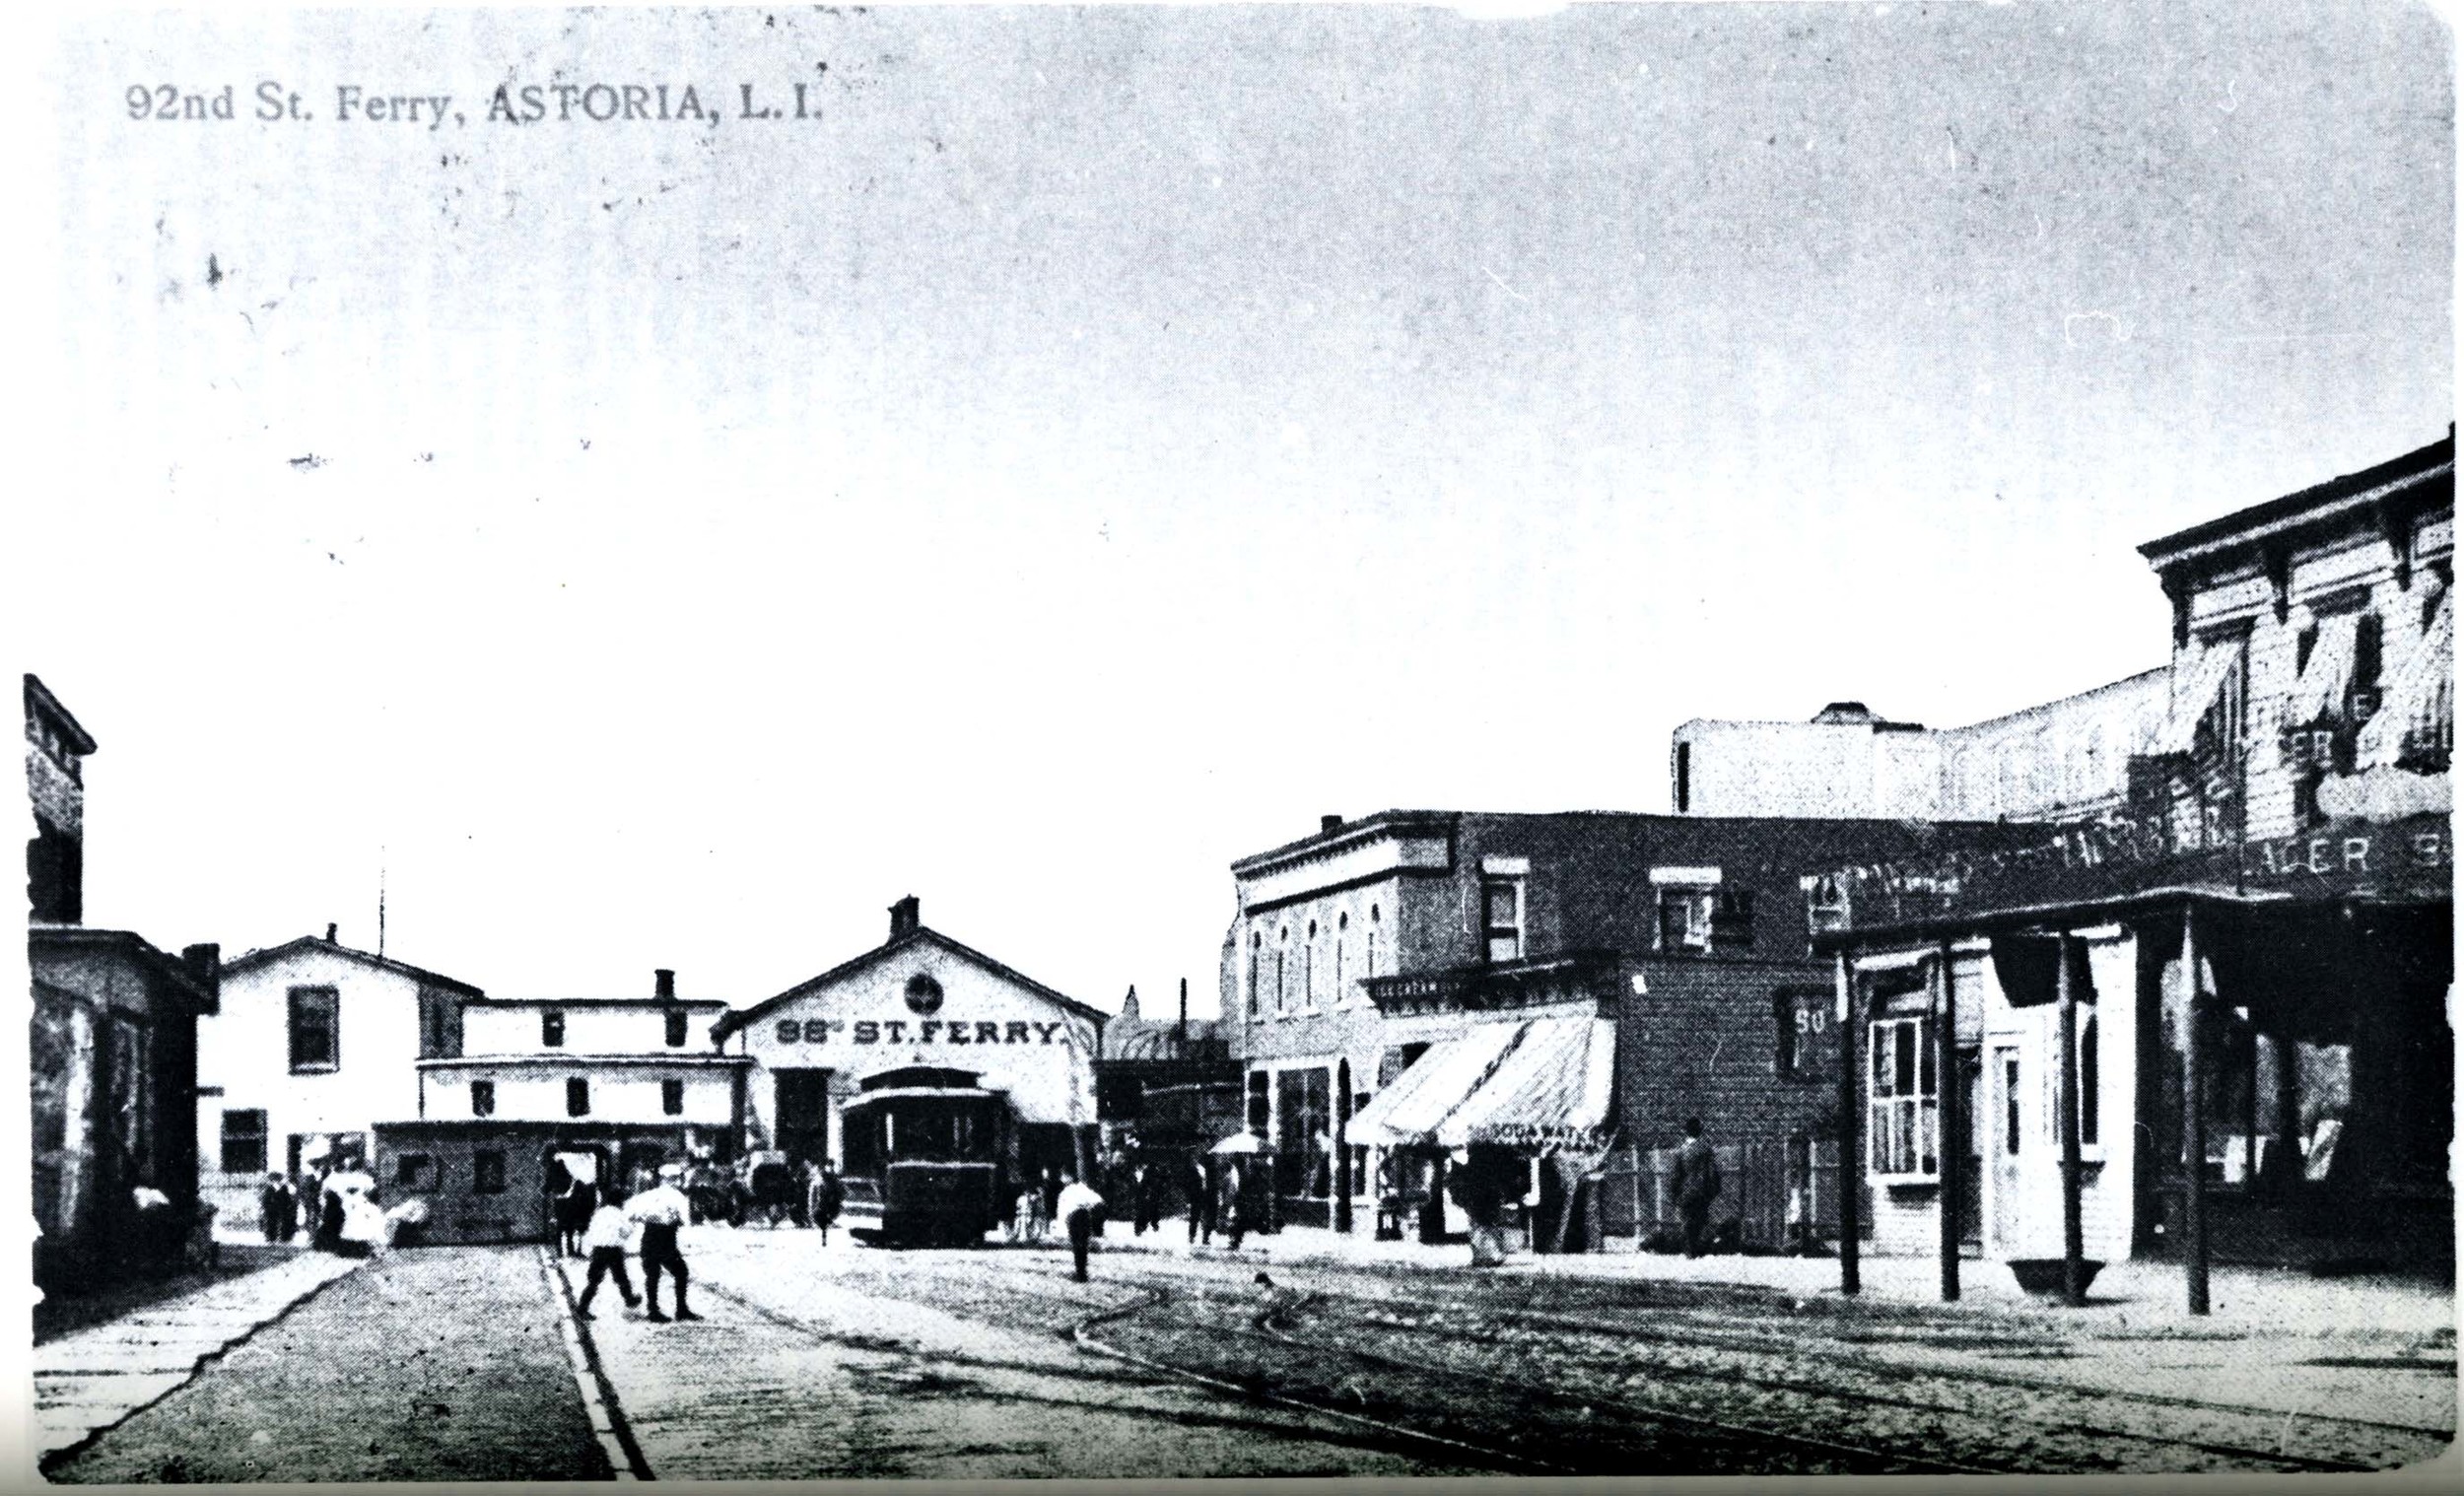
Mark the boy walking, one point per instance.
(662, 1212)
(604, 1241)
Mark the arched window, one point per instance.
(1256, 946)
(1373, 939)
(1282, 954)
(1343, 921)
(1309, 968)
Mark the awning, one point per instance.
(2328, 675)
(1552, 1086)
(1435, 1084)
(2420, 698)
(2194, 694)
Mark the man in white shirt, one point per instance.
(1078, 1206)
(660, 1212)
(609, 1230)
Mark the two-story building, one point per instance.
(314, 1044)
(112, 1035)
(542, 1089)
(1424, 989)
(2215, 1021)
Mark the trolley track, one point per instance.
(2091, 1433)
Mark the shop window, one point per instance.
(483, 1098)
(671, 1097)
(316, 1036)
(1900, 1104)
(1501, 904)
(1304, 1133)
(576, 1097)
(676, 1022)
(415, 1170)
(487, 1172)
(552, 1029)
(243, 1143)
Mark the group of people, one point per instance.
(646, 1223)
(336, 1205)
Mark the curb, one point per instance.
(598, 1394)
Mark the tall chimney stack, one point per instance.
(665, 984)
(329, 933)
(906, 917)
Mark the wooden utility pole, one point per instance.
(2066, 1119)
(2194, 1125)
(1949, 1102)
(1851, 1154)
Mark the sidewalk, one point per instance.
(2142, 1294)
(89, 1380)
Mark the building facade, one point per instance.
(548, 1089)
(1168, 1084)
(1542, 985)
(112, 1058)
(919, 997)
(2224, 1007)
(2065, 758)
(314, 1044)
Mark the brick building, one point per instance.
(1540, 985)
(112, 1035)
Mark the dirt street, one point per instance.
(436, 1365)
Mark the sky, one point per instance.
(1102, 441)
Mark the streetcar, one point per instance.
(927, 1157)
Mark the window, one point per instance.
(1282, 949)
(2011, 1104)
(436, 1026)
(1733, 920)
(1257, 943)
(1342, 923)
(1900, 1135)
(1257, 1102)
(576, 1097)
(552, 1029)
(675, 1029)
(1826, 904)
(1373, 940)
(671, 1097)
(243, 1143)
(316, 1040)
(1309, 968)
(417, 1169)
(1685, 920)
(2091, 1084)
(487, 1172)
(1304, 1133)
(1685, 776)
(1501, 918)
(483, 1098)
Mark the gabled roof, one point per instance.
(922, 934)
(40, 700)
(645, 1004)
(307, 944)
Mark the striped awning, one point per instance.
(1552, 1086)
(2328, 673)
(2420, 698)
(2194, 692)
(1434, 1085)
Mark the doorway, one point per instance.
(2009, 1130)
(1969, 1149)
(800, 1112)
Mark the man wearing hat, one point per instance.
(661, 1211)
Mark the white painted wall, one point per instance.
(245, 1051)
(629, 1028)
(618, 1093)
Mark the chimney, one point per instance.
(906, 917)
(205, 963)
(329, 933)
(1330, 822)
(665, 984)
